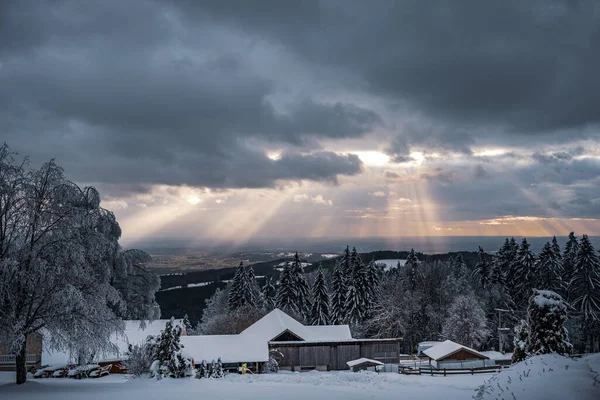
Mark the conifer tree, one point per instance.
(303, 296)
(521, 341)
(502, 262)
(549, 269)
(268, 294)
(373, 285)
(168, 352)
(346, 262)
(186, 324)
(523, 273)
(286, 292)
(411, 270)
(546, 317)
(319, 314)
(244, 289)
(568, 262)
(358, 290)
(235, 299)
(585, 288)
(556, 248)
(482, 270)
(338, 297)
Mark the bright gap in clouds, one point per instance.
(489, 152)
(372, 158)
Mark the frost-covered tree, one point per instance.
(520, 341)
(139, 357)
(268, 294)
(302, 289)
(411, 270)
(483, 269)
(523, 274)
(319, 314)
(546, 317)
(171, 362)
(373, 280)
(338, 295)
(585, 288)
(62, 271)
(568, 263)
(502, 262)
(358, 294)
(556, 248)
(217, 319)
(244, 289)
(286, 291)
(466, 322)
(549, 269)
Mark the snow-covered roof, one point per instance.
(447, 348)
(230, 348)
(361, 361)
(276, 322)
(496, 355)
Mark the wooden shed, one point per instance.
(363, 364)
(449, 354)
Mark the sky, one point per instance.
(242, 119)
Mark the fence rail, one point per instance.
(10, 359)
(449, 371)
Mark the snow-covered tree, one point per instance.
(62, 271)
(522, 276)
(546, 317)
(373, 279)
(286, 291)
(139, 357)
(217, 319)
(338, 295)
(302, 289)
(549, 269)
(585, 288)
(268, 294)
(319, 314)
(568, 263)
(411, 270)
(466, 322)
(244, 289)
(358, 294)
(521, 341)
(171, 363)
(483, 269)
(186, 324)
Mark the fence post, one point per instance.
(444, 371)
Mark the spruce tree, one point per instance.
(319, 314)
(373, 285)
(520, 341)
(502, 262)
(546, 317)
(286, 298)
(549, 269)
(556, 248)
(523, 273)
(186, 324)
(338, 297)
(244, 289)
(358, 290)
(268, 294)
(235, 299)
(411, 272)
(482, 270)
(568, 263)
(585, 288)
(168, 352)
(302, 291)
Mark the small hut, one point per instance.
(364, 364)
(449, 354)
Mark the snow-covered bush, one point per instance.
(139, 357)
(521, 340)
(273, 364)
(212, 370)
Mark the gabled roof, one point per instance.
(230, 348)
(363, 362)
(276, 322)
(447, 348)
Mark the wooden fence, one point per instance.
(449, 371)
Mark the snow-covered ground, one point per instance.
(310, 385)
(546, 377)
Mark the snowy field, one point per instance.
(546, 377)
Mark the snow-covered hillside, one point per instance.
(546, 377)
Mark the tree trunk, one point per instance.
(21, 364)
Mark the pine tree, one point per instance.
(236, 299)
(523, 273)
(303, 296)
(357, 301)
(320, 300)
(346, 262)
(168, 352)
(411, 271)
(549, 269)
(186, 324)
(286, 292)
(338, 298)
(546, 317)
(482, 270)
(373, 285)
(268, 294)
(466, 322)
(556, 248)
(568, 263)
(502, 262)
(585, 288)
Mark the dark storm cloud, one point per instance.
(109, 93)
(527, 65)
